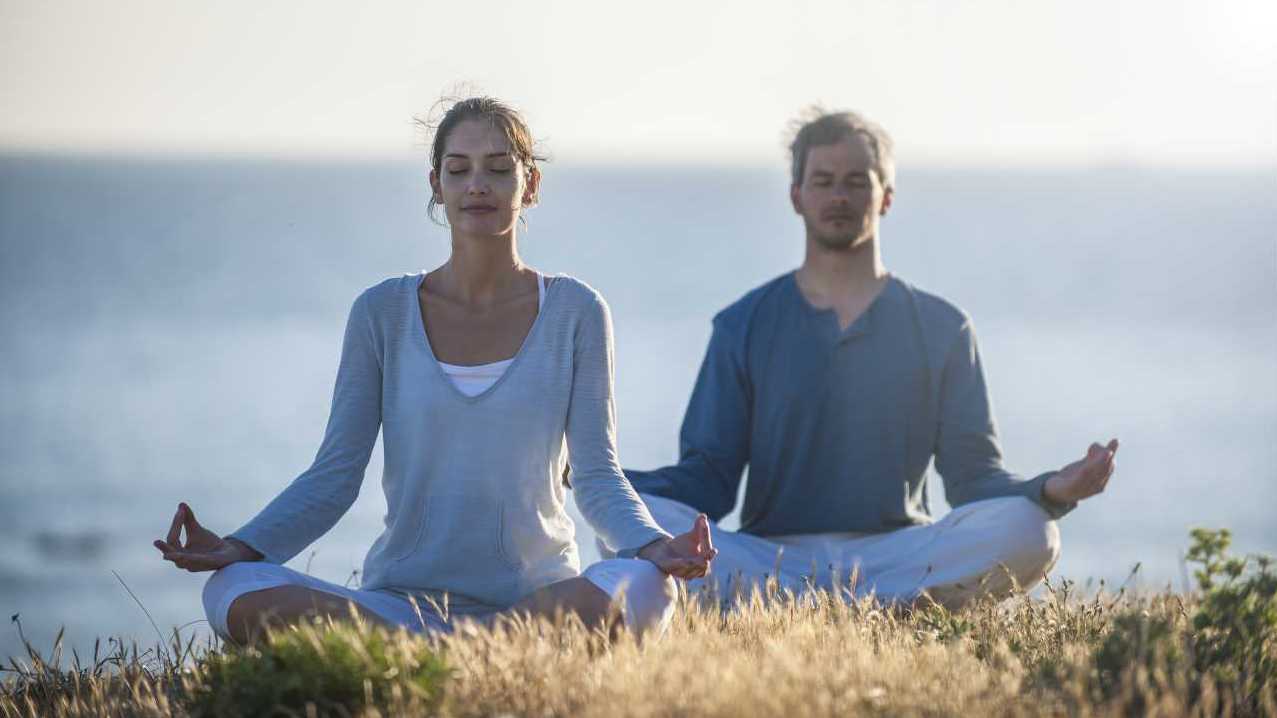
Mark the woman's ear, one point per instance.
(435, 189)
(531, 192)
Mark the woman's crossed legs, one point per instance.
(241, 598)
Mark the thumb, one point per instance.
(188, 520)
(703, 540)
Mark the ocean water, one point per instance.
(169, 331)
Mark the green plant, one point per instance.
(337, 669)
(1235, 627)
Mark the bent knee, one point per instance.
(224, 590)
(1031, 539)
(648, 594)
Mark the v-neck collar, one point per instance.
(861, 326)
(420, 331)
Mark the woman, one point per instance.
(476, 373)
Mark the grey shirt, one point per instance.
(838, 426)
(474, 498)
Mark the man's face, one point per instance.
(841, 196)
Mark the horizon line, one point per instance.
(709, 160)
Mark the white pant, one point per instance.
(647, 595)
(978, 548)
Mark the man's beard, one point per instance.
(842, 241)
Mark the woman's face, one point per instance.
(481, 185)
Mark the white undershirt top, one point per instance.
(474, 380)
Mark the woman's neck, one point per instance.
(481, 270)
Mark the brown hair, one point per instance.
(497, 113)
(817, 126)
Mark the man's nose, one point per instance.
(477, 186)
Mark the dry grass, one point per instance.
(775, 656)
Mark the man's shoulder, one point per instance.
(738, 315)
(933, 310)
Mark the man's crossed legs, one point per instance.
(978, 548)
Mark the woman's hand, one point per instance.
(204, 550)
(685, 556)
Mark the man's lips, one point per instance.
(479, 208)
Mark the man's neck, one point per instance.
(837, 276)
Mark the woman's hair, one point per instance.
(497, 113)
(818, 126)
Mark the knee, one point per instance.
(1030, 540)
(223, 594)
(649, 599)
(649, 595)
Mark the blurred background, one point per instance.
(192, 194)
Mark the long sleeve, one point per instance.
(603, 494)
(316, 499)
(967, 454)
(714, 442)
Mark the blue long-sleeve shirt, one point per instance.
(838, 426)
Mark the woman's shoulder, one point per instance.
(574, 292)
(389, 291)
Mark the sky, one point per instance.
(996, 81)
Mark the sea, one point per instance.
(170, 327)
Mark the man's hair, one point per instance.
(818, 126)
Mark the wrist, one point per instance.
(1051, 491)
(649, 548)
(243, 552)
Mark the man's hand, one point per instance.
(685, 556)
(1083, 478)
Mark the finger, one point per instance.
(704, 539)
(191, 524)
(1113, 446)
(163, 546)
(175, 531)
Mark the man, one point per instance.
(838, 384)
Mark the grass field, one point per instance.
(1210, 652)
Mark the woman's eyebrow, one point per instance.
(490, 155)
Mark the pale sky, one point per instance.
(1091, 81)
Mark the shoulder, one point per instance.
(737, 316)
(577, 298)
(935, 312)
(386, 294)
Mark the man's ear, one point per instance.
(435, 189)
(887, 196)
(794, 200)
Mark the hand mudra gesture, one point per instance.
(203, 550)
(1085, 477)
(685, 556)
